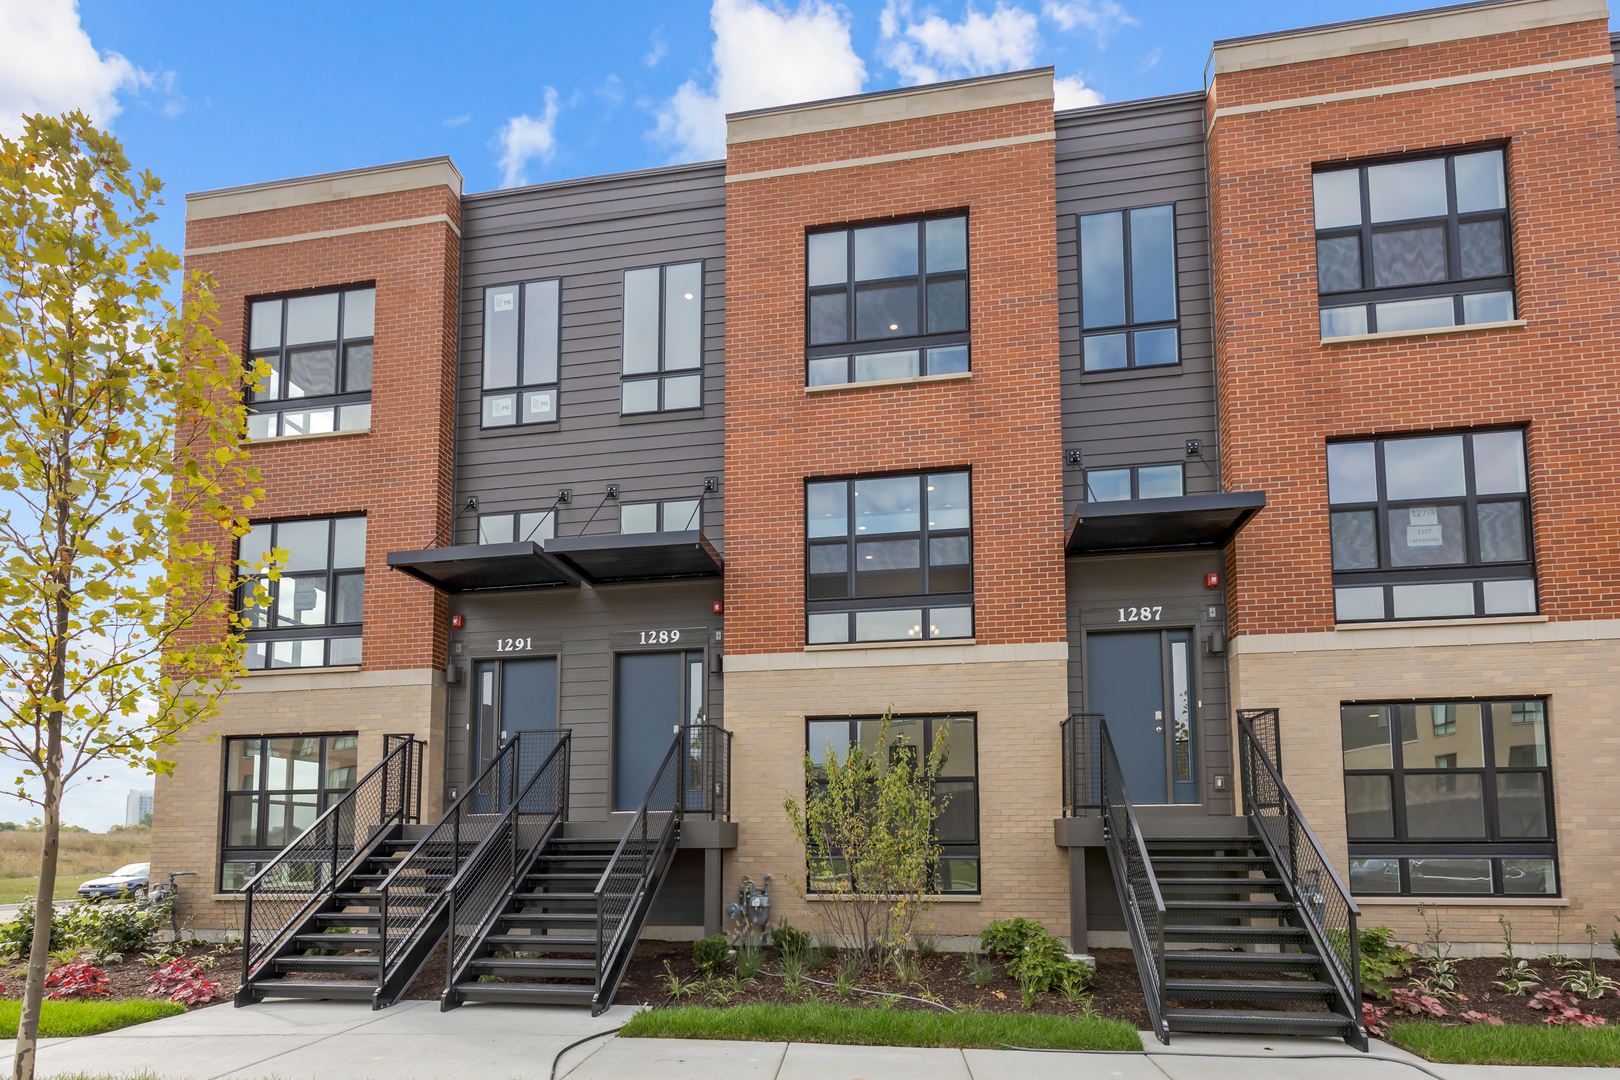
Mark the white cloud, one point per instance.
(933, 48)
(47, 64)
(457, 121)
(1103, 18)
(764, 55)
(1073, 93)
(1151, 60)
(525, 138)
(659, 50)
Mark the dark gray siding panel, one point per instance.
(588, 233)
(1115, 157)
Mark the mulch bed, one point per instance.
(1476, 991)
(130, 977)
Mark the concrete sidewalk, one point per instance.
(300, 1040)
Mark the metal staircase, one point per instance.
(1241, 934)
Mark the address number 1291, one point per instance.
(1140, 614)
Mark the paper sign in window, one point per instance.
(1423, 528)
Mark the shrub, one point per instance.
(80, 979)
(710, 952)
(1039, 961)
(790, 942)
(17, 936)
(1007, 937)
(122, 929)
(1382, 960)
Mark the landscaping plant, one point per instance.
(709, 953)
(1382, 960)
(1518, 977)
(790, 942)
(1440, 967)
(1037, 960)
(1585, 981)
(675, 985)
(80, 979)
(111, 930)
(183, 980)
(1562, 1011)
(17, 936)
(126, 483)
(867, 827)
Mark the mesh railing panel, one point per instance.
(626, 875)
(1128, 853)
(281, 896)
(1320, 895)
(1082, 763)
(491, 872)
(706, 772)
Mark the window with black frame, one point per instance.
(1136, 482)
(521, 327)
(536, 525)
(662, 339)
(889, 558)
(275, 788)
(316, 607)
(956, 783)
(1449, 798)
(1128, 289)
(1431, 527)
(1414, 244)
(319, 351)
(886, 301)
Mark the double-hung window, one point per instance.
(955, 784)
(889, 558)
(521, 329)
(275, 788)
(886, 301)
(1431, 527)
(319, 351)
(316, 607)
(1449, 798)
(1414, 244)
(670, 515)
(1136, 482)
(663, 339)
(537, 525)
(1128, 289)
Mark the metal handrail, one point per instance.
(322, 838)
(498, 836)
(1133, 870)
(1339, 946)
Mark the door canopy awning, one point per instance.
(1190, 521)
(477, 567)
(664, 556)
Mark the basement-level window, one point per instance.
(319, 351)
(1414, 244)
(275, 788)
(1431, 527)
(1449, 798)
(521, 328)
(956, 783)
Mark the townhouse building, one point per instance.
(1165, 458)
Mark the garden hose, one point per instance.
(577, 1042)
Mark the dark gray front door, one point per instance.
(512, 696)
(1125, 682)
(654, 693)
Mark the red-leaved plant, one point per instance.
(1372, 1018)
(1474, 1016)
(1417, 1004)
(80, 979)
(1564, 1012)
(183, 981)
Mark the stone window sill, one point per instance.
(309, 438)
(843, 647)
(300, 670)
(1403, 624)
(1463, 901)
(914, 380)
(1396, 335)
(943, 898)
(228, 896)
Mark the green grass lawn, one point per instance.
(1484, 1044)
(62, 1018)
(14, 889)
(883, 1027)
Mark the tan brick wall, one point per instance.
(1580, 677)
(186, 819)
(1018, 704)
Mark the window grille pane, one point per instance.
(1105, 353)
(350, 605)
(1453, 732)
(500, 410)
(305, 543)
(1108, 485)
(640, 396)
(242, 821)
(1158, 482)
(685, 392)
(827, 508)
(1102, 270)
(949, 504)
(1430, 468)
(1358, 605)
(641, 322)
(1153, 264)
(293, 764)
(266, 332)
(254, 545)
(886, 251)
(886, 311)
(312, 318)
(947, 244)
(1338, 264)
(1487, 307)
(1407, 189)
(1521, 805)
(950, 622)
(1449, 875)
(1510, 597)
(1337, 198)
(540, 300)
(1369, 808)
(950, 560)
(1434, 601)
(1445, 807)
(683, 515)
(301, 601)
(345, 651)
(888, 625)
(538, 526)
(495, 529)
(261, 425)
(948, 360)
(311, 372)
(830, 371)
(1483, 252)
(637, 518)
(349, 542)
(889, 365)
(1355, 539)
(354, 417)
(829, 572)
(1364, 731)
(1501, 532)
(1480, 182)
(539, 406)
(342, 762)
(1344, 321)
(1416, 314)
(1519, 732)
(827, 255)
(1408, 257)
(1427, 536)
(947, 305)
(243, 761)
(888, 567)
(1352, 472)
(887, 505)
(359, 313)
(958, 823)
(829, 318)
(828, 629)
(307, 422)
(683, 317)
(1371, 876)
(1529, 876)
(1156, 347)
(959, 758)
(309, 652)
(356, 368)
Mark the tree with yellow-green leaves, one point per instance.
(123, 483)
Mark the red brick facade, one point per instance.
(1283, 393)
(399, 473)
(1003, 423)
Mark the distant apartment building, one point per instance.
(138, 807)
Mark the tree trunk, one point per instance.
(39, 954)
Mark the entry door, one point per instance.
(1141, 681)
(654, 694)
(513, 696)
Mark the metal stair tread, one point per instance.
(1267, 1021)
(584, 967)
(1245, 907)
(1197, 988)
(314, 988)
(1251, 885)
(336, 941)
(1189, 958)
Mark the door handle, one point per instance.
(1160, 729)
